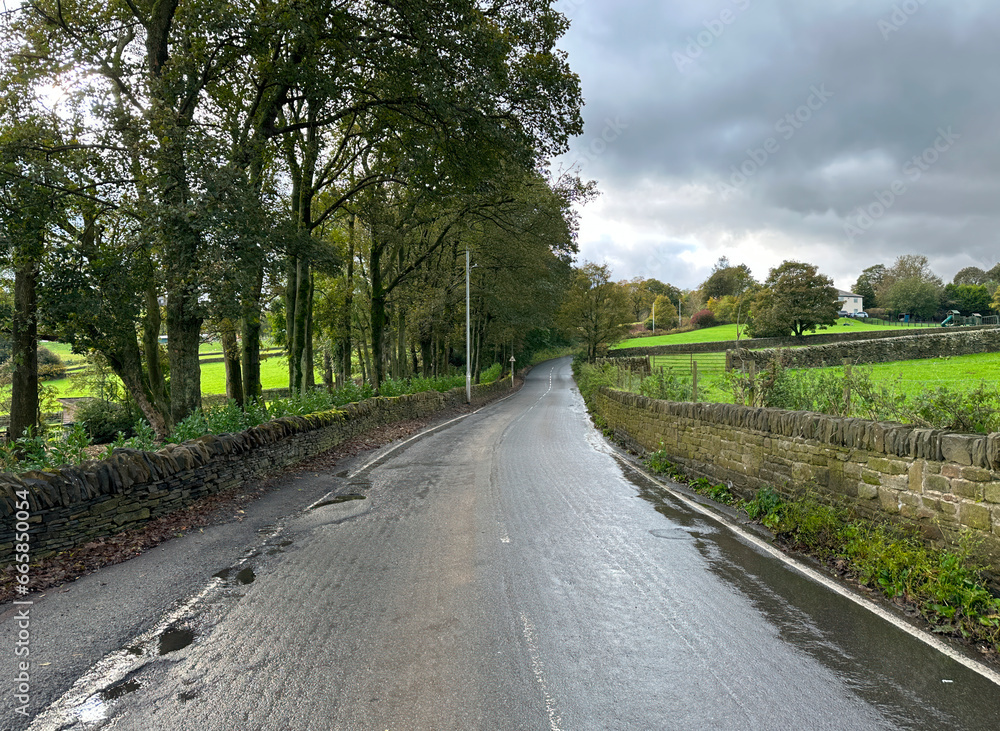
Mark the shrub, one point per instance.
(490, 374)
(103, 420)
(665, 384)
(976, 411)
(703, 318)
(50, 365)
(590, 378)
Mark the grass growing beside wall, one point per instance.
(73, 447)
(947, 587)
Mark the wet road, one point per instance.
(507, 572)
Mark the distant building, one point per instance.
(853, 303)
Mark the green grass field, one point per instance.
(728, 332)
(273, 374)
(960, 372)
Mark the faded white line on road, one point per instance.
(386, 453)
(82, 705)
(551, 371)
(538, 668)
(871, 606)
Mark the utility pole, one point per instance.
(654, 315)
(468, 340)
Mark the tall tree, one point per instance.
(27, 202)
(868, 283)
(796, 299)
(727, 280)
(970, 275)
(596, 310)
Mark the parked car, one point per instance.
(861, 314)
(843, 313)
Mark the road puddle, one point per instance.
(670, 533)
(175, 638)
(116, 691)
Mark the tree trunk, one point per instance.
(361, 363)
(296, 314)
(328, 369)
(308, 371)
(401, 345)
(377, 315)
(250, 330)
(24, 349)
(346, 322)
(151, 348)
(183, 340)
(231, 357)
(426, 356)
(126, 364)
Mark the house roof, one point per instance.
(842, 293)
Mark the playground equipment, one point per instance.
(955, 318)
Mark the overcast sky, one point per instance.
(837, 132)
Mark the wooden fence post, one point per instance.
(847, 387)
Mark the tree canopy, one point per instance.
(227, 167)
(796, 299)
(596, 310)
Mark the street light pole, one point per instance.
(468, 340)
(654, 315)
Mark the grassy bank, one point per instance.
(721, 333)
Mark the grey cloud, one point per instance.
(890, 96)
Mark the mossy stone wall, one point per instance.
(942, 482)
(790, 342)
(912, 347)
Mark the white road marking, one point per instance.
(82, 703)
(538, 668)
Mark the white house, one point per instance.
(853, 303)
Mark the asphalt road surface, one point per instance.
(504, 571)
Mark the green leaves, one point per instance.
(795, 300)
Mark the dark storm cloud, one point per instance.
(807, 126)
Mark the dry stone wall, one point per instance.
(942, 482)
(912, 347)
(791, 342)
(73, 505)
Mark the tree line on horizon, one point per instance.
(794, 299)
